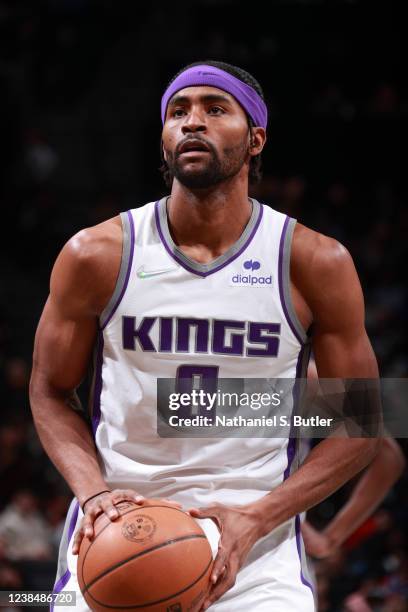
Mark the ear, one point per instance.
(164, 154)
(257, 140)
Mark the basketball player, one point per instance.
(153, 293)
(369, 491)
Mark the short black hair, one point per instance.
(255, 165)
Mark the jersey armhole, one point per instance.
(128, 240)
(285, 248)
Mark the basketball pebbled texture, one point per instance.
(153, 558)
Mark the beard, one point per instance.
(210, 172)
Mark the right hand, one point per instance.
(105, 504)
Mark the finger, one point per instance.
(109, 509)
(134, 496)
(173, 503)
(196, 512)
(224, 584)
(89, 519)
(217, 573)
(77, 542)
(220, 563)
(119, 495)
(210, 512)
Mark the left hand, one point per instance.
(317, 543)
(240, 528)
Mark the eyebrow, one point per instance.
(206, 98)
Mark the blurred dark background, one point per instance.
(80, 88)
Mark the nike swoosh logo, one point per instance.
(142, 273)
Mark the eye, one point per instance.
(216, 110)
(178, 112)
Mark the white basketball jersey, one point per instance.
(232, 318)
(170, 314)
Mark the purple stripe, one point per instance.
(290, 454)
(73, 521)
(281, 292)
(298, 537)
(125, 284)
(226, 263)
(291, 448)
(96, 408)
(60, 584)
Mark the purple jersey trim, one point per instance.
(291, 448)
(60, 584)
(281, 292)
(96, 408)
(125, 284)
(291, 451)
(225, 263)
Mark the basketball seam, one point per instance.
(124, 514)
(140, 554)
(158, 601)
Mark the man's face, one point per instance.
(205, 137)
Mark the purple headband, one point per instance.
(215, 77)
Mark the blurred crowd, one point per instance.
(369, 573)
(79, 115)
(34, 499)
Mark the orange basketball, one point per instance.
(152, 558)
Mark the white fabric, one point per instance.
(199, 472)
(193, 469)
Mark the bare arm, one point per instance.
(61, 354)
(369, 492)
(81, 283)
(325, 276)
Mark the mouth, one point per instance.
(193, 146)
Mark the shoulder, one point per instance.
(88, 265)
(318, 261)
(92, 244)
(322, 253)
(322, 269)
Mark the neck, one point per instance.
(212, 219)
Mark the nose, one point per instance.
(194, 121)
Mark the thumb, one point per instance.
(211, 512)
(197, 512)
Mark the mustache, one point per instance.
(211, 148)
